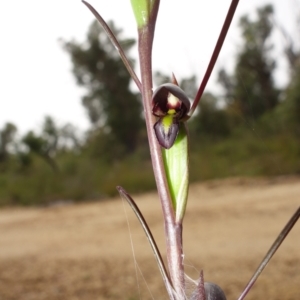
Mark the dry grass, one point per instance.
(84, 252)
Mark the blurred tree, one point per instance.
(50, 134)
(39, 146)
(291, 43)
(110, 103)
(7, 135)
(251, 88)
(288, 113)
(210, 120)
(292, 52)
(46, 144)
(69, 138)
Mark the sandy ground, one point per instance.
(84, 251)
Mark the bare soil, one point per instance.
(84, 251)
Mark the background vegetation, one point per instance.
(253, 129)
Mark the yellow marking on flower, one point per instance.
(167, 121)
(171, 111)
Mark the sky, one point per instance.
(35, 72)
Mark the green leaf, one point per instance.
(142, 10)
(176, 161)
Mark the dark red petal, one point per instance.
(160, 96)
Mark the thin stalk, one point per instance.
(173, 232)
(115, 42)
(151, 240)
(271, 252)
(214, 57)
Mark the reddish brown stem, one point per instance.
(172, 230)
(281, 237)
(151, 240)
(115, 42)
(214, 57)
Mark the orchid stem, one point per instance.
(173, 231)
